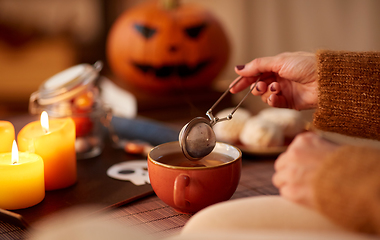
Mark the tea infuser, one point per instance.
(196, 138)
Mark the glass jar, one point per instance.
(73, 93)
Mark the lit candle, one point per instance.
(54, 141)
(7, 135)
(21, 179)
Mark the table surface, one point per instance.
(139, 207)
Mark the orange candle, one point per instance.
(54, 141)
(7, 135)
(21, 179)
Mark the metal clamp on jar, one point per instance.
(73, 93)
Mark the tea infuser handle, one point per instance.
(213, 119)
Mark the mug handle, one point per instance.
(180, 183)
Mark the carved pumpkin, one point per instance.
(160, 48)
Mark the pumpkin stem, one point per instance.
(170, 4)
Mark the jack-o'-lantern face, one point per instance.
(159, 49)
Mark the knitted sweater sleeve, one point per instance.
(347, 186)
(349, 93)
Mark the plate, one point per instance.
(262, 151)
(269, 151)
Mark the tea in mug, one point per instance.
(178, 159)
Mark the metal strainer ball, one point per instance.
(197, 138)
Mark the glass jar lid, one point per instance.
(68, 83)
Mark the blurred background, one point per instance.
(39, 38)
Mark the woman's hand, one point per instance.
(287, 80)
(296, 168)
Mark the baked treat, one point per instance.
(259, 133)
(228, 131)
(289, 120)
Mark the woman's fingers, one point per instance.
(265, 84)
(242, 84)
(247, 81)
(278, 101)
(274, 88)
(260, 88)
(272, 95)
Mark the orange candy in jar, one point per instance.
(81, 107)
(73, 93)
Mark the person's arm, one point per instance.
(341, 182)
(347, 188)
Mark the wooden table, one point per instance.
(115, 197)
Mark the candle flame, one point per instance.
(45, 121)
(14, 153)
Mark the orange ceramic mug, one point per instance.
(190, 186)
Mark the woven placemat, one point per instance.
(156, 218)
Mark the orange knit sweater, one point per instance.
(347, 186)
